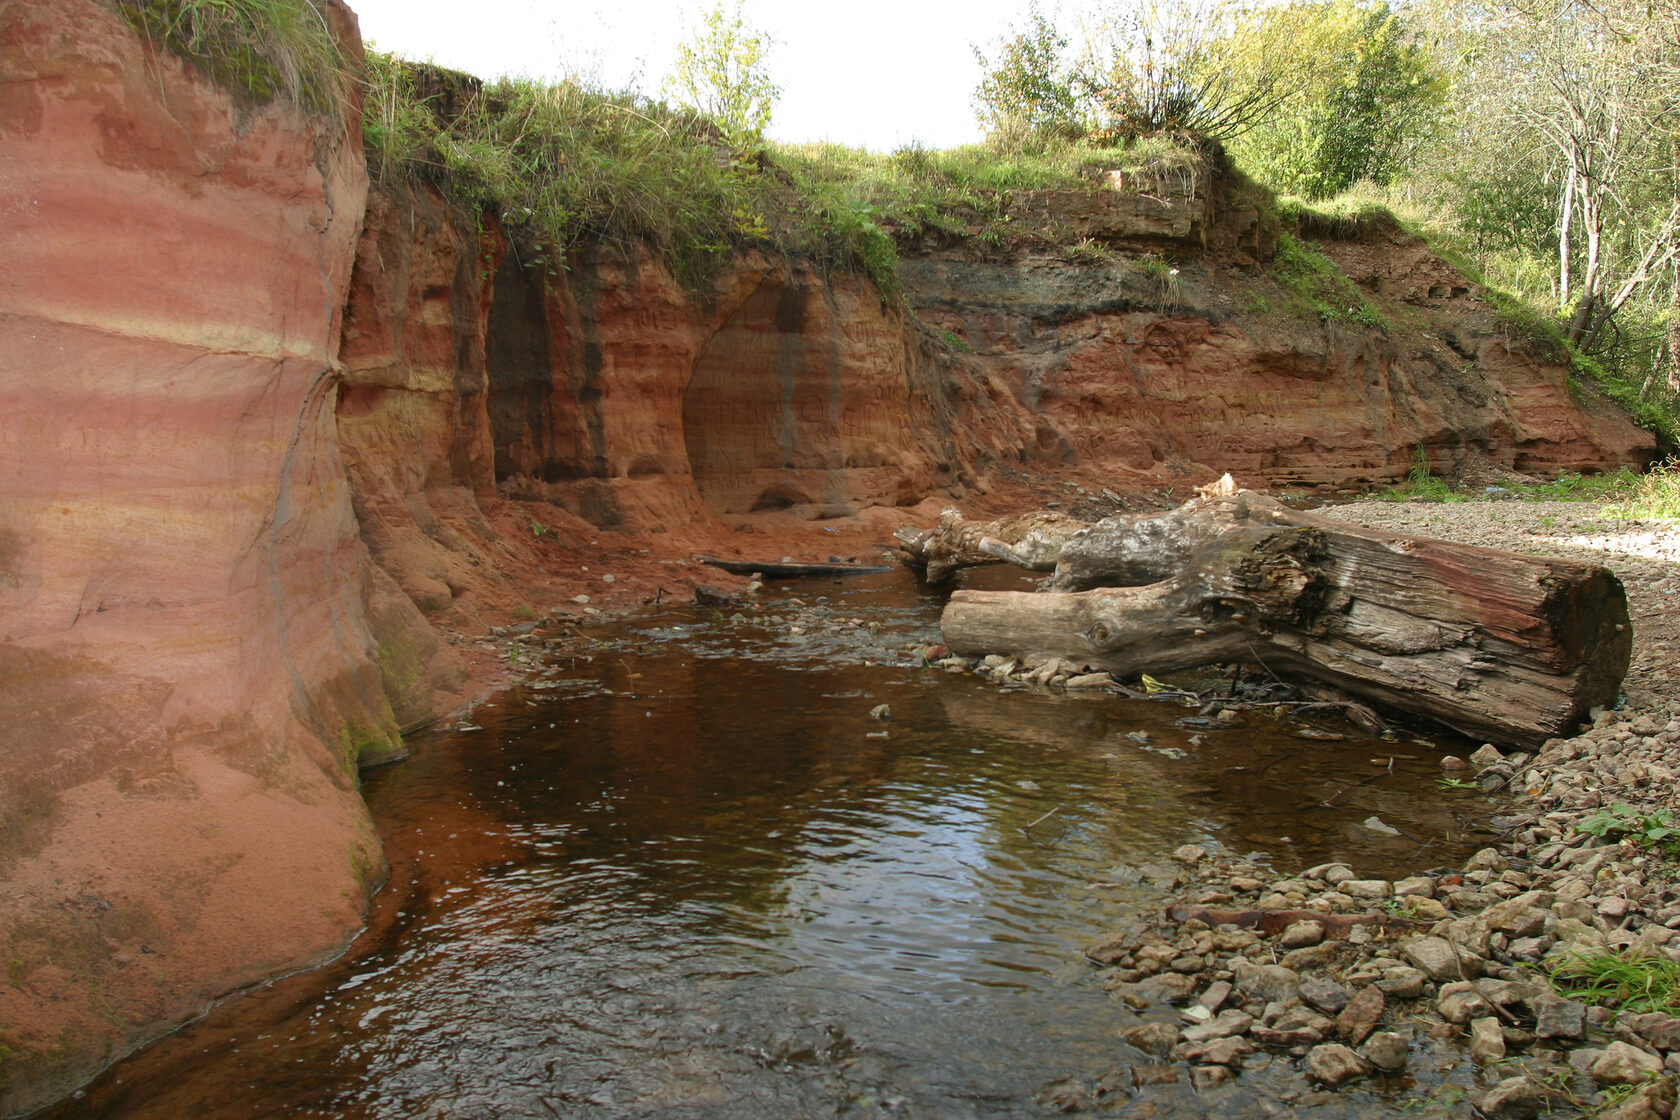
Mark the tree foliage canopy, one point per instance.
(720, 72)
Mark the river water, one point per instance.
(684, 873)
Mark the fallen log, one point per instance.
(789, 569)
(1503, 646)
(1029, 540)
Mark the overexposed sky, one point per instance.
(870, 73)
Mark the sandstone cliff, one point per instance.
(276, 448)
(189, 674)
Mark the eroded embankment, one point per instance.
(277, 453)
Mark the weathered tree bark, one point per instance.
(1030, 540)
(1499, 645)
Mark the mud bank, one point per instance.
(281, 450)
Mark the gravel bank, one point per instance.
(1352, 978)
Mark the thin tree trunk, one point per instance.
(1566, 209)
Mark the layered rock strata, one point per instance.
(189, 671)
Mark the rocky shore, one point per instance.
(1349, 977)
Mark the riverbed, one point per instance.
(764, 860)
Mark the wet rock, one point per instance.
(1226, 1024)
(1360, 1017)
(1460, 1002)
(1110, 950)
(1415, 886)
(1228, 1052)
(1488, 859)
(1298, 1036)
(1266, 981)
(1439, 959)
(1203, 1078)
(1088, 680)
(1334, 1065)
(1562, 1019)
(1484, 756)
(1168, 987)
(1515, 1098)
(1300, 935)
(1332, 873)
(1325, 994)
(1190, 853)
(1153, 1075)
(1652, 1101)
(1487, 1041)
(881, 712)
(1064, 1097)
(1387, 1050)
(1152, 1038)
(1621, 1064)
(1215, 995)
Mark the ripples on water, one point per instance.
(684, 879)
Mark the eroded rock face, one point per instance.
(1196, 363)
(609, 390)
(189, 675)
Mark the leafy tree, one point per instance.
(1375, 97)
(721, 73)
(1030, 85)
(1592, 91)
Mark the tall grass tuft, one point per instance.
(260, 50)
(1656, 495)
(1632, 982)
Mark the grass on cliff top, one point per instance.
(258, 50)
(557, 162)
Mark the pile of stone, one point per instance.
(1341, 972)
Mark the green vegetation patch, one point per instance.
(560, 162)
(1655, 495)
(1316, 286)
(259, 50)
(1634, 982)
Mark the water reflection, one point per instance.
(694, 880)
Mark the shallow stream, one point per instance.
(684, 873)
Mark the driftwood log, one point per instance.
(1031, 540)
(1502, 646)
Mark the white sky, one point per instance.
(870, 73)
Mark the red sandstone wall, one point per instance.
(613, 393)
(184, 642)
